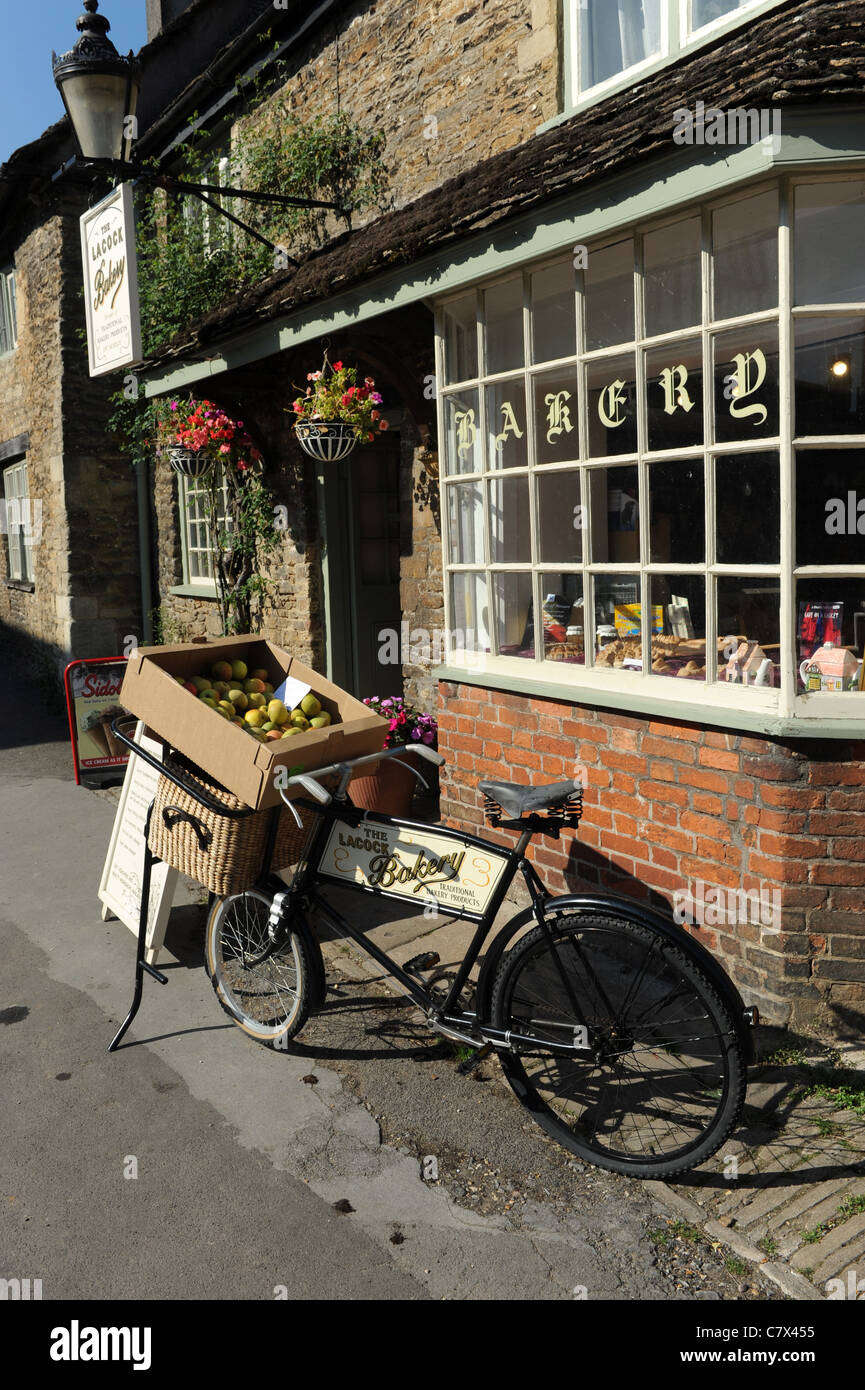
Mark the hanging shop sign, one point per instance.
(92, 701)
(111, 283)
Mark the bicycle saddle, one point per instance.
(517, 800)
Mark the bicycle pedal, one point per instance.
(419, 963)
(471, 1062)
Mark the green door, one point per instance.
(360, 515)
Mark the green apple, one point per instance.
(320, 721)
(238, 699)
(257, 701)
(291, 731)
(200, 683)
(310, 706)
(253, 686)
(239, 670)
(254, 718)
(277, 713)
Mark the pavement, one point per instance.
(215, 1127)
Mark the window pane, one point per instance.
(749, 630)
(674, 395)
(829, 376)
(830, 507)
(461, 339)
(830, 231)
(615, 35)
(503, 316)
(615, 514)
(462, 433)
(746, 383)
(678, 512)
(469, 614)
(554, 321)
(510, 531)
(748, 509)
(507, 445)
(514, 622)
(563, 618)
(829, 610)
(465, 506)
(557, 435)
(672, 277)
(612, 388)
(616, 594)
(704, 11)
(609, 296)
(560, 517)
(745, 262)
(678, 625)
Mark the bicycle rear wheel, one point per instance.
(266, 994)
(662, 1081)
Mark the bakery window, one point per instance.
(654, 457)
(609, 43)
(8, 312)
(202, 512)
(19, 518)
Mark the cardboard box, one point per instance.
(241, 763)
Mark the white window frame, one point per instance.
(785, 701)
(678, 37)
(19, 530)
(196, 213)
(189, 491)
(8, 312)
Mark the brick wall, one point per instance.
(669, 806)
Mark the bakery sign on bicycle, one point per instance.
(422, 865)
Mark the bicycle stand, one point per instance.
(141, 964)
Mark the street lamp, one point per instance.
(99, 89)
(100, 93)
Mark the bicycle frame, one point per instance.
(309, 889)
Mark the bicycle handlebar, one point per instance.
(308, 779)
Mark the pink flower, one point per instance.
(225, 449)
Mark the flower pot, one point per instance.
(328, 441)
(390, 790)
(190, 464)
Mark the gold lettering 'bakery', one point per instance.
(385, 870)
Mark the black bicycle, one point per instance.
(619, 1033)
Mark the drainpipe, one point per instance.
(144, 562)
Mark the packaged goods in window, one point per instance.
(819, 623)
(749, 665)
(629, 618)
(831, 668)
(669, 657)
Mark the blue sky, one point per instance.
(29, 101)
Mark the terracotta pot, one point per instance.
(390, 790)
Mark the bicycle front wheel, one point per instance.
(648, 1077)
(266, 993)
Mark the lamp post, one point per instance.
(99, 90)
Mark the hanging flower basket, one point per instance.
(336, 413)
(190, 463)
(326, 440)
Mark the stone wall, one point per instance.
(449, 84)
(669, 807)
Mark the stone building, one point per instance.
(616, 311)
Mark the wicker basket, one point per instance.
(223, 853)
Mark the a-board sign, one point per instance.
(92, 702)
(120, 886)
(422, 865)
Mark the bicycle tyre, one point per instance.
(634, 1106)
(269, 999)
